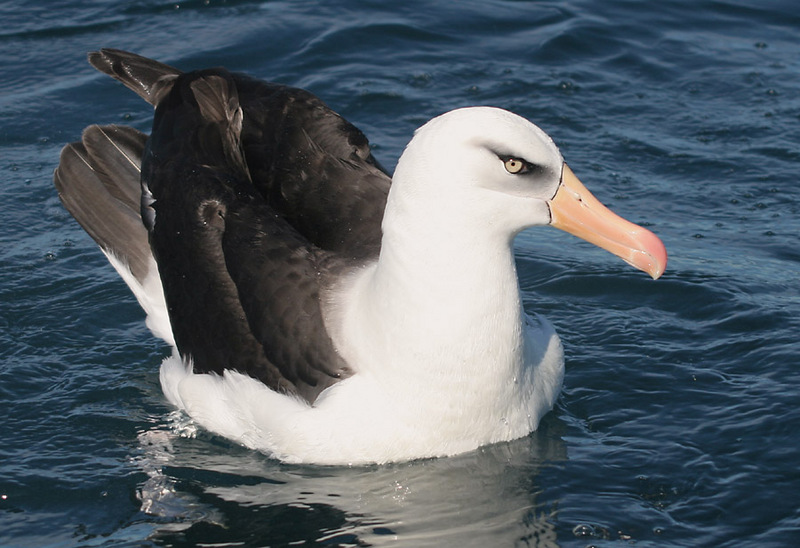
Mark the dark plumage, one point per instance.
(244, 229)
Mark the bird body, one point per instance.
(319, 310)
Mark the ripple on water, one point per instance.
(678, 423)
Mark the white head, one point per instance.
(481, 165)
(487, 169)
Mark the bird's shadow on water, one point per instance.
(202, 489)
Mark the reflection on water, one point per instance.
(484, 498)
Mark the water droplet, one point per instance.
(583, 531)
(567, 87)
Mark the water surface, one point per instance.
(678, 423)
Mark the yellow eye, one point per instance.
(514, 165)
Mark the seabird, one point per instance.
(320, 310)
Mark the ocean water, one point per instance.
(679, 421)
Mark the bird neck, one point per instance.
(442, 303)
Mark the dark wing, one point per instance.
(242, 285)
(310, 165)
(149, 79)
(245, 217)
(314, 167)
(98, 183)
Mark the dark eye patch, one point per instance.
(520, 166)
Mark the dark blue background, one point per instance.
(679, 422)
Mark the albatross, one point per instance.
(320, 310)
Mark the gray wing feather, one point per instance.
(98, 182)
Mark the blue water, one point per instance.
(679, 421)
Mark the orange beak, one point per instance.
(575, 210)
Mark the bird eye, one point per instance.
(514, 165)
